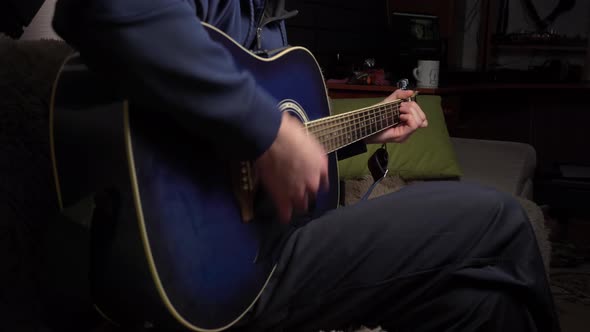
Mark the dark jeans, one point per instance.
(436, 256)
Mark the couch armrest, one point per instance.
(506, 166)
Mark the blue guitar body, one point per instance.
(169, 247)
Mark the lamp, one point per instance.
(40, 26)
(17, 14)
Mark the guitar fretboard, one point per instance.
(340, 130)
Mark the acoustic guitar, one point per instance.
(182, 239)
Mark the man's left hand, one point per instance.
(411, 115)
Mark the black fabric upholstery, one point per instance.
(27, 195)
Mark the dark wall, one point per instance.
(353, 29)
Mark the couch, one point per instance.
(506, 166)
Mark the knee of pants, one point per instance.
(506, 313)
(490, 209)
(509, 210)
(497, 203)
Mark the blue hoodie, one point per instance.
(160, 56)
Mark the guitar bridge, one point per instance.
(244, 185)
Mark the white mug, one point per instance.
(426, 73)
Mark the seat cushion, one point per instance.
(506, 166)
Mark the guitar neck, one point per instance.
(337, 131)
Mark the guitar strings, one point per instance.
(394, 103)
(353, 121)
(366, 127)
(385, 116)
(369, 124)
(370, 114)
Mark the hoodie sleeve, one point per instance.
(162, 57)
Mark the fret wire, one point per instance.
(364, 124)
(373, 123)
(320, 127)
(335, 139)
(339, 130)
(384, 121)
(346, 126)
(352, 129)
(330, 139)
(357, 124)
(362, 119)
(379, 119)
(342, 123)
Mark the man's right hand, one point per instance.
(293, 169)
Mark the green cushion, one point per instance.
(427, 154)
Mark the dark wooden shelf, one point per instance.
(340, 90)
(369, 90)
(539, 47)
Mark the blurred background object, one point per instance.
(27, 19)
